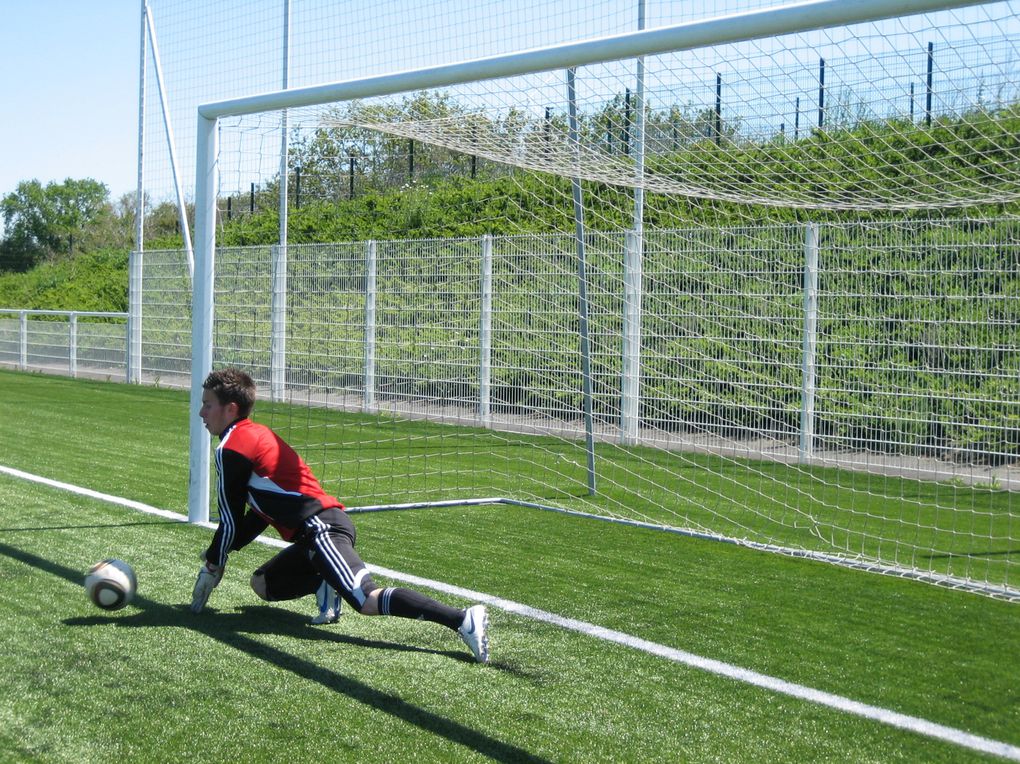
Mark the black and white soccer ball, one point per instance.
(111, 584)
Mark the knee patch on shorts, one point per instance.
(258, 585)
(363, 586)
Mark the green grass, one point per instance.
(252, 682)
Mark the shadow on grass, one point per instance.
(251, 619)
(227, 628)
(958, 555)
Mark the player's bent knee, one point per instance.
(258, 585)
(365, 595)
(369, 604)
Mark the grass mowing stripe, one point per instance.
(839, 703)
(120, 501)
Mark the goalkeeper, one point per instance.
(261, 481)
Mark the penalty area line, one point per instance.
(747, 676)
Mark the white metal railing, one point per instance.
(784, 337)
(61, 343)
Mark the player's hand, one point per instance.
(208, 579)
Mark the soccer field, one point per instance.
(609, 643)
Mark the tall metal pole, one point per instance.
(630, 381)
(182, 210)
(278, 310)
(135, 262)
(285, 83)
(134, 323)
(371, 293)
(582, 284)
(717, 126)
(72, 345)
(821, 93)
(140, 193)
(639, 127)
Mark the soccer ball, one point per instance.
(111, 584)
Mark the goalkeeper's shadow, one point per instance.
(231, 632)
(234, 630)
(250, 619)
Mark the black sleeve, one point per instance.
(250, 527)
(233, 472)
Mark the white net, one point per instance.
(769, 291)
(858, 142)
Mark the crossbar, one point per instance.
(738, 27)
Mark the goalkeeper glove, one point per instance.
(208, 578)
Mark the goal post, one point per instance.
(202, 315)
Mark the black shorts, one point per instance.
(323, 550)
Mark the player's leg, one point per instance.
(291, 575)
(287, 576)
(337, 561)
(332, 537)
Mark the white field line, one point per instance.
(846, 705)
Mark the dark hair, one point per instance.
(232, 386)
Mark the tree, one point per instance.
(375, 136)
(42, 222)
(80, 207)
(27, 237)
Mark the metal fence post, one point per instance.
(485, 336)
(278, 323)
(23, 340)
(134, 323)
(72, 345)
(630, 382)
(370, 294)
(807, 405)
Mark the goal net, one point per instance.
(760, 287)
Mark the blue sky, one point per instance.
(69, 91)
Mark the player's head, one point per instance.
(232, 386)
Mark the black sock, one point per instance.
(405, 603)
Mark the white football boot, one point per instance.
(330, 604)
(475, 632)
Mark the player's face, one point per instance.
(215, 415)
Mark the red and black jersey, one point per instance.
(256, 468)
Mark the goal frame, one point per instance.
(735, 28)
